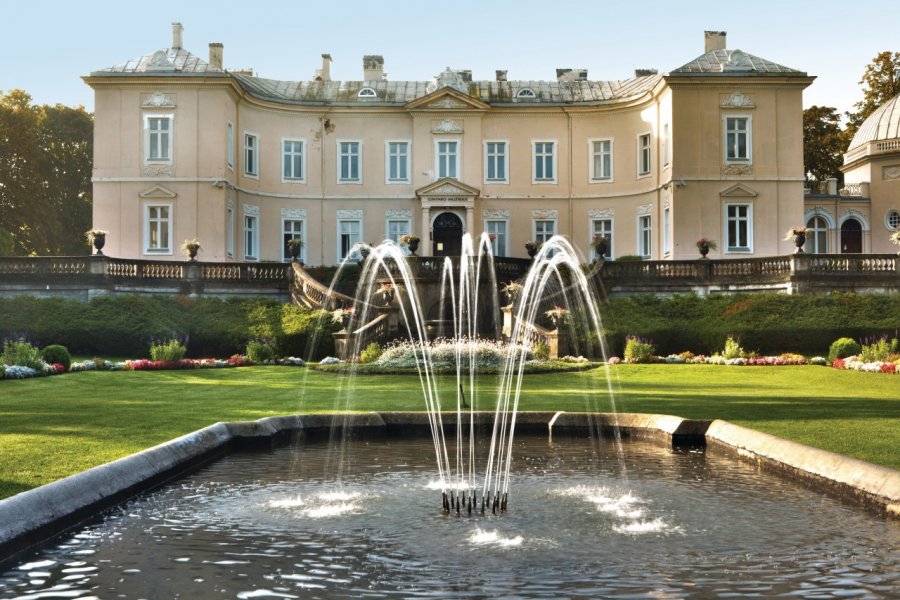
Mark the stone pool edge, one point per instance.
(31, 518)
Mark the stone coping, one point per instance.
(31, 518)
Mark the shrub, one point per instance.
(307, 332)
(878, 351)
(733, 349)
(444, 353)
(541, 350)
(638, 350)
(19, 353)
(170, 351)
(260, 352)
(371, 353)
(56, 354)
(842, 348)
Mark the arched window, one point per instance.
(816, 236)
(526, 93)
(892, 220)
(367, 92)
(851, 236)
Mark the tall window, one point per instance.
(158, 228)
(292, 161)
(667, 240)
(666, 145)
(816, 236)
(349, 234)
(644, 154)
(398, 162)
(349, 162)
(229, 231)
(397, 228)
(158, 140)
(737, 139)
(738, 227)
(447, 159)
(645, 236)
(291, 229)
(229, 145)
(601, 160)
(498, 228)
(544, 161)
(495, 161)
(251, 155)
(544, 230)
(603, 227)
(251, 237)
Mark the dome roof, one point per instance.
(883, 124)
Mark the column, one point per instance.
(470, 220)
(425, 247)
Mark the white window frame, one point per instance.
(610, 236)
(553, 159)
(437, 158)
(229, 231)
(729, 248)
(593, 178)
(284, 251)
(666, 145)
(498, 249)
(170, 145)
(667, 236)
(645, 236)
(169, 228)
(254, 174)
(229, 145)
(367, 93)
(526, 93)
(387, 228)
(350, 252)
(387, 162)
(641, 149)
(812, 232)
(534, 231)
(251, 253)
(284, 153)
(359, 163)
(748, 160)
(891, 212)
(504, 159)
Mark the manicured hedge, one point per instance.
(124, 325)
(765, 323)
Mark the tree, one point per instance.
(823, 143)
(881, 82)
(45, 170)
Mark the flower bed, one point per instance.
(716, 359)
(20, 372)
(852, 363)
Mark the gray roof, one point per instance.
(733, 63)
(167, 60)
(883, 124)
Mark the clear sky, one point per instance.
(45, 47)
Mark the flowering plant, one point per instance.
(190, 247)
(557, 313)
(90, 234)
(532, 246)
(408, 239)
(705, 241)
(599, 239)
(895, 237)
(794, 231)
(295, 243)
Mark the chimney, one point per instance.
(177, 29)
(324, 74)
(831, 186)
(645, 72)
(713, 40)
(501, 75)
(373, 67)
(466, 75)
(215, 54)
(571, 75)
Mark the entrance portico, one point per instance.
(441, 201)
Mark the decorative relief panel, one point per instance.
(890, 172)
(350, 214)
(448, 102)
(602, 213)
(447, 188)
(157, 170)
(229, 203)
(495, 213)
(293, 213)
(447, 126)
(398, 213)
(157, 99)
(251, 210)
(644, 209)
(737, 169)
(738, 100)
(545, 214)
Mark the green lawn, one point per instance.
(56, 426)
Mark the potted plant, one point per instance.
(798, 235)
(410, 241)
(512, 291)
(704, 245)
(895, 238)
(532, 247)
(364, 248)
(387, 291)
(294, 246)
(343, 316)
(96, 238)
(600, 243)
(190, 248)
(558, 315)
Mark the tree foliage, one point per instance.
(823, 143)
(880, 82)
(46, 155)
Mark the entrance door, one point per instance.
(851, 237)
(446, 239)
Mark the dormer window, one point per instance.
(526, 93)
(367, 93)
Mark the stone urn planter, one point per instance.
(294, 246)
(704, 245)
(98, 242)
(190, 249)
(414, 246)
(532, 248)
(601, 247)
(798, 236)
(387, 294)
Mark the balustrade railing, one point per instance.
(44, 265)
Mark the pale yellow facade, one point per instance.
(185, 149)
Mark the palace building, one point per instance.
(185, 148)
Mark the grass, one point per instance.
(53, 427)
